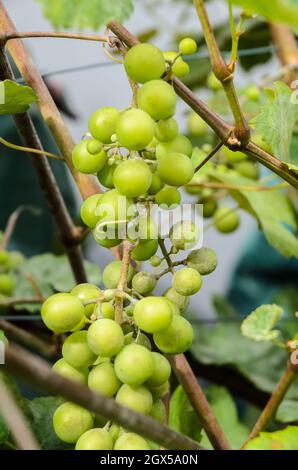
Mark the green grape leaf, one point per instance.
(287, 439)
(283, 11)
(182, 416)
(15, 98)
(225, 411)
(277, 119)
(287, 411)
(84, 14)
(259, 324)
(52, 274)
(222, 306)
(272, 209)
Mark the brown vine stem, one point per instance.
(274, 402)
(38, 372)
(35, 287)
(30, 150)
(165, 253)
(126, 258)
(50, 34)
(48, 183)
(15, 420)
(199, 402)
(12, 221)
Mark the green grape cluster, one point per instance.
(9, 263)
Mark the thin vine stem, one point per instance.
(52, 34)
(126, 258)
(12, 221)
(209, 156)
(30, 150)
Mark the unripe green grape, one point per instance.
(111, 274)
(105, 176)
(180, 144)
(144, 250)
(209, 206)
(253, 93)
(143, 228)
(179, 300)
(160, 390)
(86, 292)
(136, 398)
(88, 209)
(168, 196)
(131, 441)
(143, 282)
(134, 364)
(158, 99)
(103, 379)
(158, 411)
(226, 220)
(175, 169)
(106, 242)
(248, 169)
(129, 310)
(184, 234)
(156, 184)
(196, 125)
(132, 178)
(161, 370)
(63, 368)
(176, 338)
(232, 156)
(107, 310)
(76, 352)
(114, 206)
(155, 261)
(105, 337)
(4, 258)
(114, 431)
(166, 130)
(152, 314)
(203, 260)
(135, 129)
(102, 124)
(6, 284)
(70, 421)
(95, 439)
(62, 312)
(213, 83)
(178, 67)
(187, 46)
(140, 338)
(87, 162)
(187, 281)
(144, 62)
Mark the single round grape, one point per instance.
(102, 124)
(166, 130)
(4, 258)
(111, 274)
(144, 250)
(129, 310)
(168, 197)
(85, 161)
(105, 176)
(132, 178)
(70, 421)
(95, 439)
(142, 228)
(179, 300)
(180, 144)
(140, 338)
(112, 206)
(196, 125)
(187, 46)
(144, 62)
(86, 292)
(70, 372)
(137, 398)
(248, 169)
(152, 314)
(226, 220)
(6, 284)
(76, 351)
(177, 338)
(62, 312)
(155, 261)
(134, 364)
(156, 184)
(178, 66)
(160, 390)
(161, 370)
(107, 310)
(213, 83)
(158, 411)
(181, 169)
(135, 129)
(106, 242)
(144, 282)
(158, 99)
(88, 210)
(131, 441)
(187, 281)
(184, 234)
(105, 337)
(232, 156)
(103, 379)
(253, 93)
(203, 260)
(209, 206)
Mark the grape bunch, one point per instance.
(139, 156)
